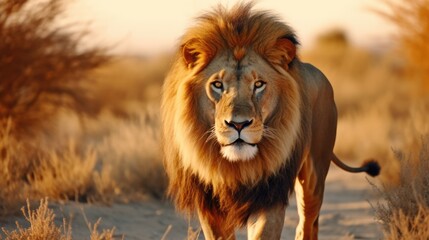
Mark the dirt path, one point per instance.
(346, 214)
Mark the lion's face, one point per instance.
(232, 103)
(243, 95)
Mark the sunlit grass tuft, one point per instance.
(42, 225)
(65, 175)
(404, 209)
(13, 168)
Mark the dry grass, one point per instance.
(65, 175)
(404, 211)
(403, 226)
(106, 234)
(109, 157)
(132, 147)
(44, 68)
(12, 171)
(42, 226)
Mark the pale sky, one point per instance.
(154, 26)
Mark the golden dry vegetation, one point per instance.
(79, 125)
(42, 226)
(404, 211)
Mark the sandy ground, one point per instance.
(346, 214)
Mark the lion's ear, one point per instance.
(195, 53)
(283, 52)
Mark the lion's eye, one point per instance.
(217, 86)
(259, 86)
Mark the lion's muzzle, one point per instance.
(238, 140)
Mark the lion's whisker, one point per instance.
(212, 135)
(207, 135)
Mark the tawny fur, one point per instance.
(238, 48)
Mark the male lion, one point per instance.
(244, 122)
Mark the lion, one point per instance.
(245, 123)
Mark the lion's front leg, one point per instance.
(309, 188)
(267, 224)
(214, 227)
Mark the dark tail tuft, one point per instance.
(372, 167)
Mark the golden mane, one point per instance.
(216, 33)
(237, 30)
(192, 159)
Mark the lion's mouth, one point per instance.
(239, 150)
(239, 142)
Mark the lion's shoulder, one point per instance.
(315, 84)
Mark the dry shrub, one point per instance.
(65, 175)
(126, 134)
(13, 168)
(43, 65)
(61, 174)
(403, 226)
(411, 105)
(129, 157)
(105, 187)
(411, 18)
(69, 173)
(132, 147)
(106, 234)
(404, 211)
(42, 225)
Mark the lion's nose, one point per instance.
(239, 125)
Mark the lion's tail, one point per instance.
(371, 167)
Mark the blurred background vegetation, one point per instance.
(81, 124)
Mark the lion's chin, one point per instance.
(239, 152)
